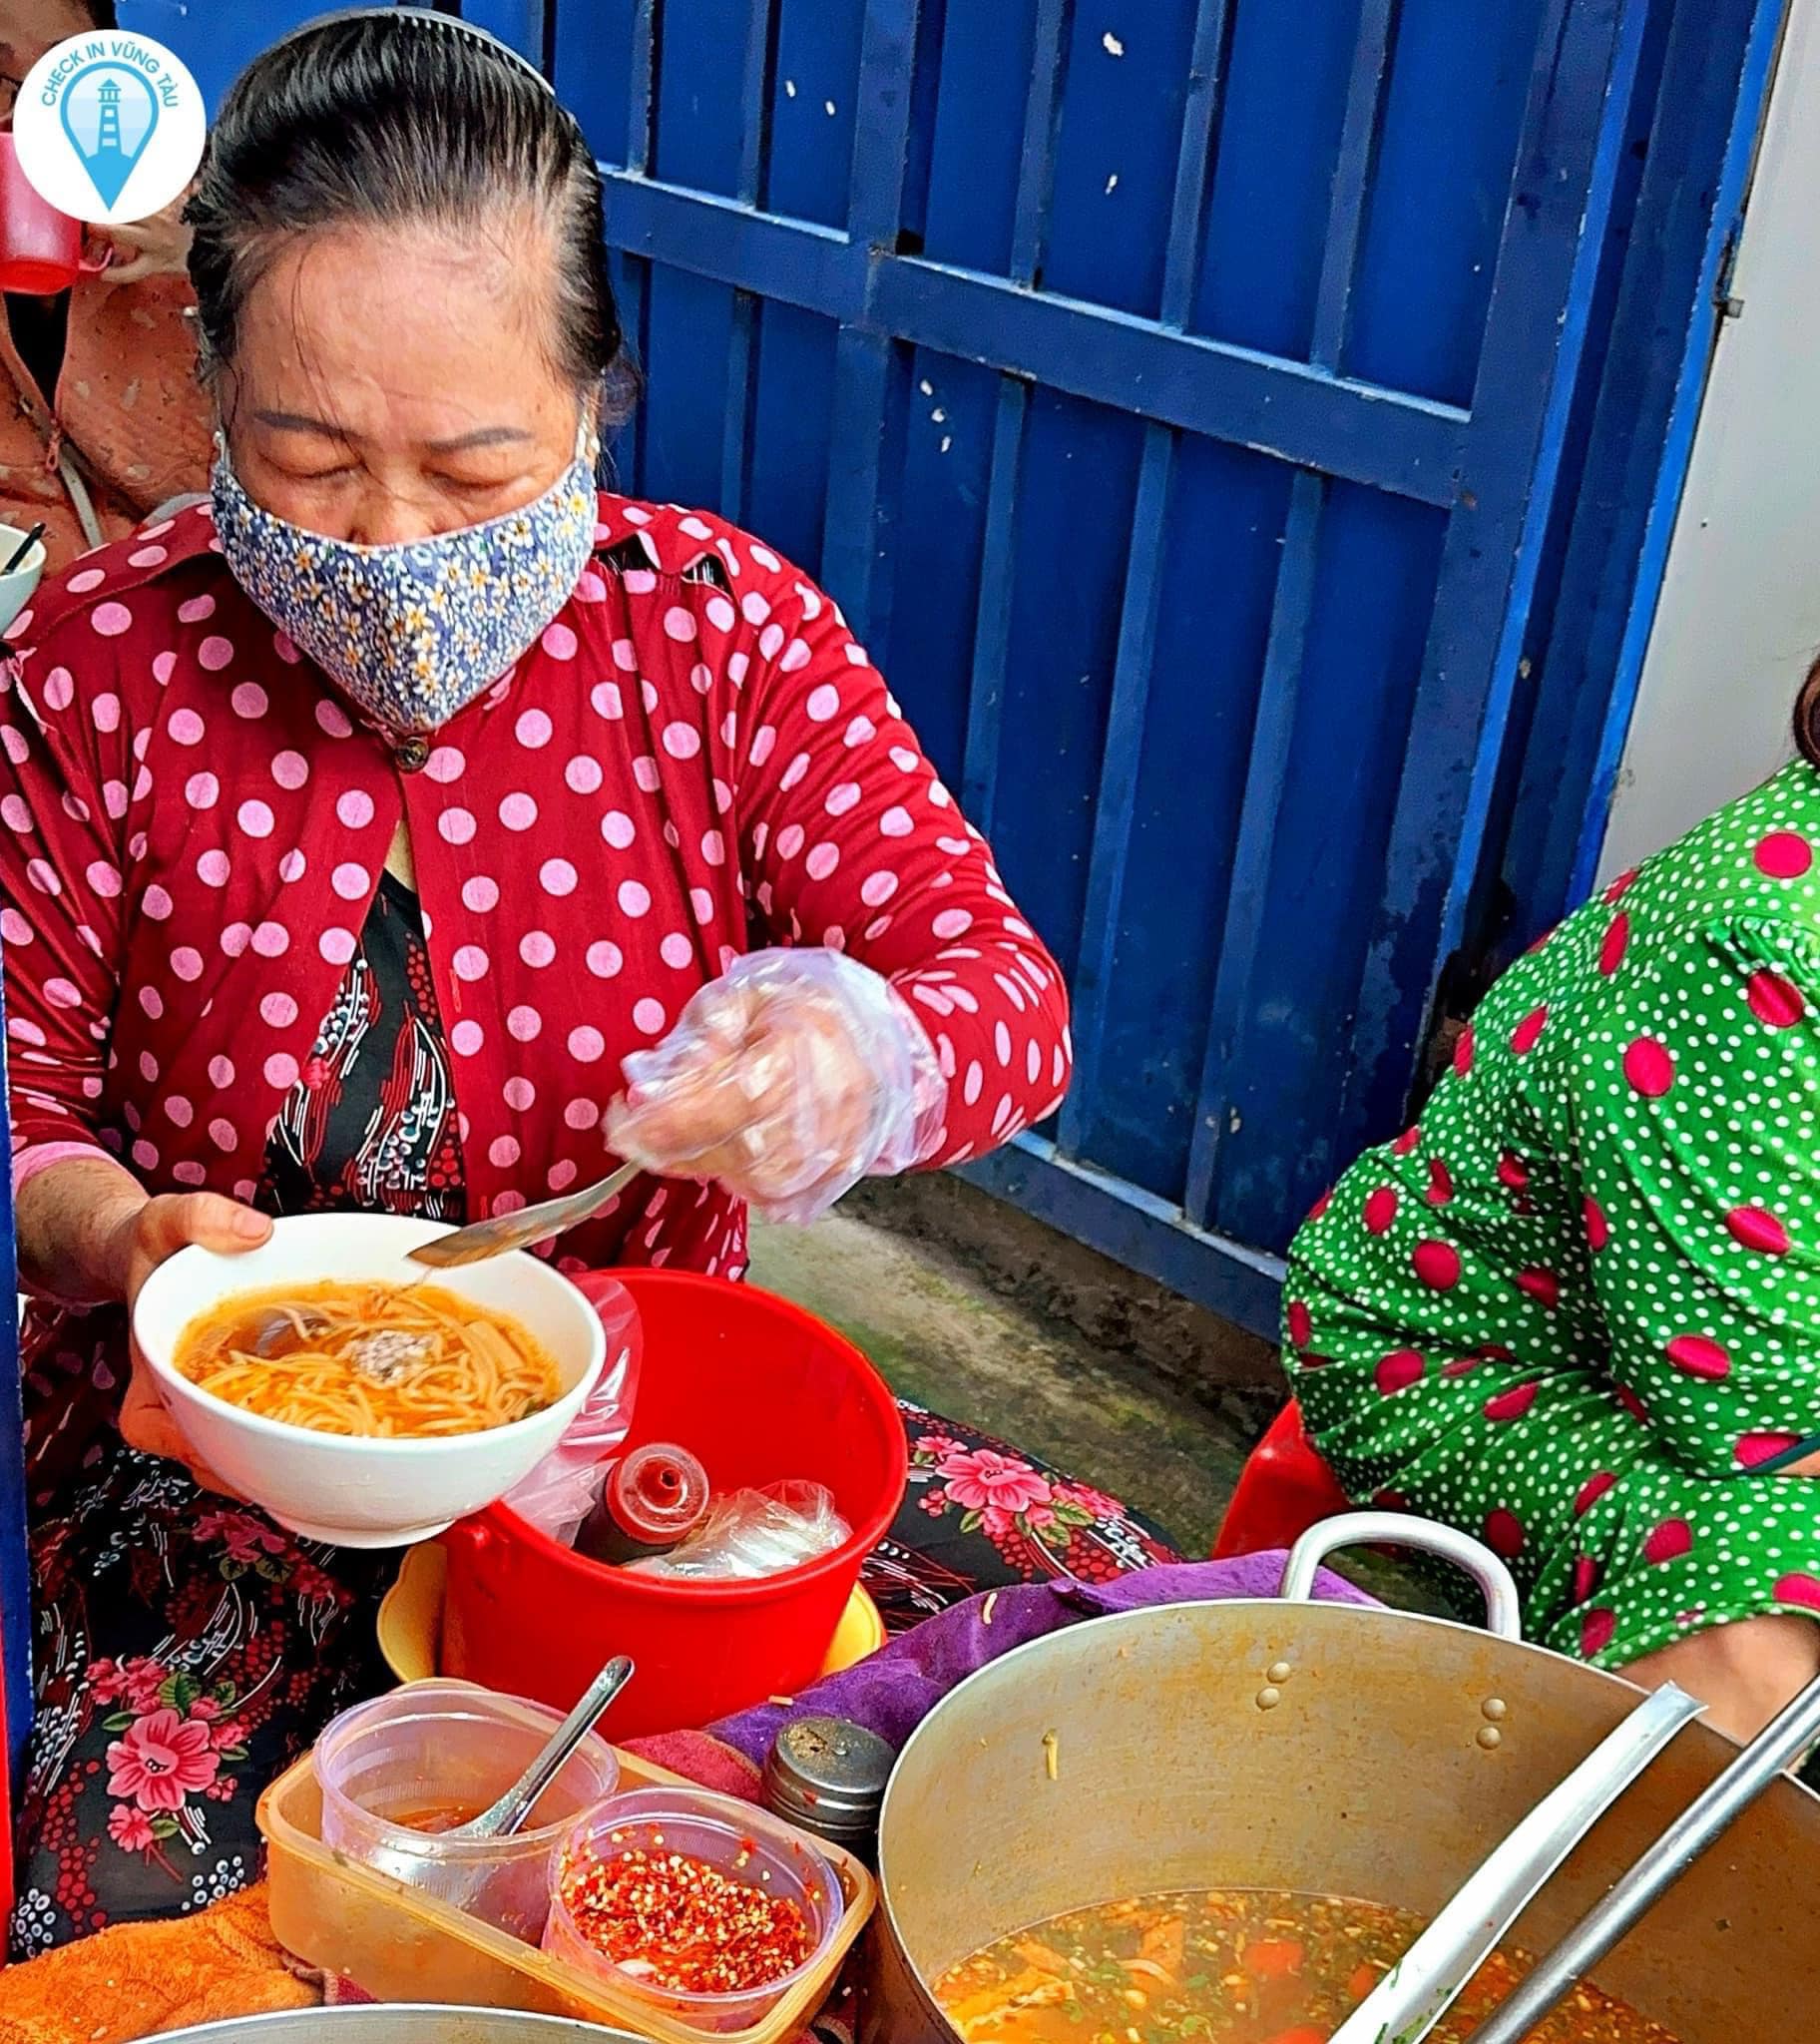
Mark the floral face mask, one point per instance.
(412, 632)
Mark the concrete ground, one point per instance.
(969, 1308)
(943, 1338)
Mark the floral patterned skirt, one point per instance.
(187, 1650)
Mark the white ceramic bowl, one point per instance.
(365, 1493)
(16, 589)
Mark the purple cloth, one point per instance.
(893, 1690)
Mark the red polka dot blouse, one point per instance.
(696, 761)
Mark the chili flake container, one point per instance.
(644, 1852)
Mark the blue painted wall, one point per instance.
(1175, 394)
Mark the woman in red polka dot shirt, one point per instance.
(1576, 1310)
(364, 832)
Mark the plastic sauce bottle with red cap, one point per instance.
(654, 1497)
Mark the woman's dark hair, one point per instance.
(394, 116)
(1807, 716)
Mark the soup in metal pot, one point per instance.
(1230, 1967)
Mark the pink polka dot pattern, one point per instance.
(673, 774)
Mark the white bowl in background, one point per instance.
(16, 589)
(355, 1492)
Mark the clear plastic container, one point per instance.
(399, 1944)
(441, 1752)
(738, 1838)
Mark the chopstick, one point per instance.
(24, 547)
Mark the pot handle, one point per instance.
(1502, 1604)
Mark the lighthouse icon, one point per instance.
(108, 143)
(109, 112)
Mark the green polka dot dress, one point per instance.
(1576, 1311)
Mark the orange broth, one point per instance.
(1228, 1967)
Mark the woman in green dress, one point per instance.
(1576, 1310)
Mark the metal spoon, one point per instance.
(278, 1321)
(506, 1817)
(525, 1228)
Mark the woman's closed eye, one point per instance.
(336, 473)
(477, 487)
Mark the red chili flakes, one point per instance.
(682, 1924)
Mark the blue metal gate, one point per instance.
(1170, 391)
(1173, 392)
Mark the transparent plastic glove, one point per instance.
(788, 1079)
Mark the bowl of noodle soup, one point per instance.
(360, 1399)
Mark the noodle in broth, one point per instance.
(381, 1360)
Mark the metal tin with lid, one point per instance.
(827, 1775)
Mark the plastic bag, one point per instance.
(788, 1079)
(754, 1533)
(566, 1485)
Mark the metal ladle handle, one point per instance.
(1503, 1604)
(1637, 1891)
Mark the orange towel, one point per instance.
(140, 1979)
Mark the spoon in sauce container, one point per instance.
(507, 1816)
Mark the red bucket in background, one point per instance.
(763, 1392)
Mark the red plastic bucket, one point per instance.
(762, 1391)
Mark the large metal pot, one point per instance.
(1328, 1749)
(399, 2024)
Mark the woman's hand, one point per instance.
(790, 1078)
(141, 1240)
(159, 246)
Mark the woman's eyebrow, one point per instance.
(459, 443)
(300, 423)
(481, 436)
